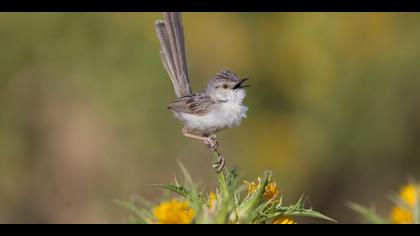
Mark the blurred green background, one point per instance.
(334, 109)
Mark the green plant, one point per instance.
(261, 203)
(405, 211)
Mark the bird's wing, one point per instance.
(196, 104)
(171, 36)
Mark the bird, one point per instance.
(217, 107)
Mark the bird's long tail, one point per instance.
(171, 36)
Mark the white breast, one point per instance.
(223, 115)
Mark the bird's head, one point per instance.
(227, 85)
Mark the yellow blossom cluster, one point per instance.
(174, 212)
(409, 195)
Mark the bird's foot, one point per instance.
(211, 142)
(219, 164)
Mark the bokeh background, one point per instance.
(334, 109)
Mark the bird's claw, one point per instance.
(219, 164)
(212, 143)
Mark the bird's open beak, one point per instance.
(239, 84)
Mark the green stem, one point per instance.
(224, 191)
(221, 179)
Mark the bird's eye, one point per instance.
(225, 86)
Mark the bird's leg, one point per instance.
(190, 135)
(212, 143)
(220, 162)
(209, 140)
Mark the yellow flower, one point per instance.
(174, 212)
(252, 187)
(402, 214)
(212, 200)
(270, 191)
(283, 220)
(409, 194)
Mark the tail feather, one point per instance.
(178, 31)
(171, 36)
(168, 68)
(166, 52)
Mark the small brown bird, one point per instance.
(217, 107)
